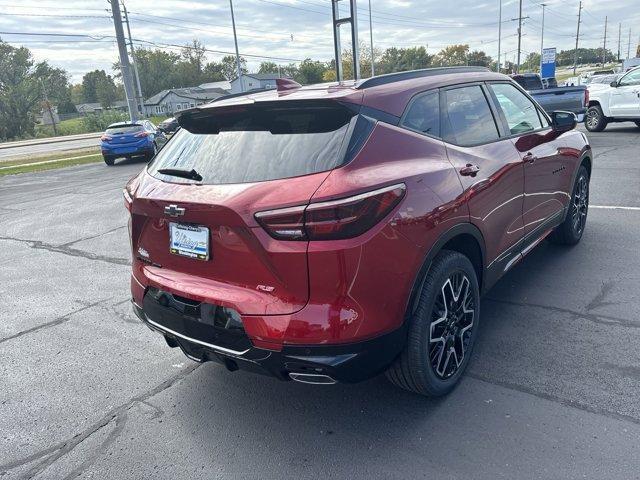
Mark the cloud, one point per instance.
(297, 29)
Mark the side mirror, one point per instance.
(563, 121)
(614, 84)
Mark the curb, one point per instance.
(44, 141)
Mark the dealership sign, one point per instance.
(548, 63)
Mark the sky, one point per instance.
(286, 31)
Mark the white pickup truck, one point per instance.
(618, 101)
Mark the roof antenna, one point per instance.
(285, 84)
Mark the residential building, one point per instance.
(170, 101)
(254, 81)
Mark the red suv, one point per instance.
(333, 232)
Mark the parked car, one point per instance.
(618, 101)
(337, 232)
(170, 125)
(128, 140)
(572, 99)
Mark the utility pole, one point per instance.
(542, 37)
(133, 58)
(125, 68)
(629, 45)
(499, 32)
(235, 40)
(47, 104)
(373, 73)
(619, 36)
(604, 47)
(519, 36)
(575, 56)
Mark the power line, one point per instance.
(149, 42)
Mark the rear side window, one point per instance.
(520, 112)
(467, 118)
(124, 129)
(424, 114)
(252, 144)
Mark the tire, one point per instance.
(570, 231)
(422, 366)
(595, 120)
(109, 160)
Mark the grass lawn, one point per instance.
(73, 126)
(59, 160)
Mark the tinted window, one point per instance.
(528, 82)
(257, 144)
(631, 78)
(467, 117)
(118, 129)
(520, 112)
(424, 114)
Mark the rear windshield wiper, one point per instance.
(177, 172)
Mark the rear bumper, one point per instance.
(345, 363)
(140, 148)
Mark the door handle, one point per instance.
(469, 170)
(529, 158)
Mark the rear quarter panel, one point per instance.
(360, 287)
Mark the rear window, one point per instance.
(253, 144)
(124, 129)
(528, 82)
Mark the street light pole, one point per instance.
(125, 68)
(519, 36)
(542, 37)
(575, 55)
(499, 32)
(235, 40)
(373, 72)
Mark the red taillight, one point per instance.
(333, 220)
(142, 134)
(586, 97)
(106, 138)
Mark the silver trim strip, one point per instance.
(299, 377)
(217, 348)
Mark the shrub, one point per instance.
(97, 122)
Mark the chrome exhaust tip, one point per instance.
(312, 378)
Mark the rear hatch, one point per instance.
(246, 159)
(124, 135)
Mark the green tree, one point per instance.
(230, 68)
(402, 59)
(478, 58)
(310, 71)
(268, 67)
(213, 72)
(97, 86)
(21, 90)
(453, 55)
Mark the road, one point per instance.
(30, 148)
(553, 390)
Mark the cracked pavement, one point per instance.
(87, 391)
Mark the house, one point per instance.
(86, 108)
(176, 99)
(254, 81)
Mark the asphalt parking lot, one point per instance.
(87, 391)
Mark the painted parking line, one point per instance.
(614, 207)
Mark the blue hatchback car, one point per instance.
(128, 140)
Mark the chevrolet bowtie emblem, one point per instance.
(174, 211)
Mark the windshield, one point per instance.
(124, 129)
(256, 145)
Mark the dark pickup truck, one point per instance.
(570, 99)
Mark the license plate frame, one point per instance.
(189, 241)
